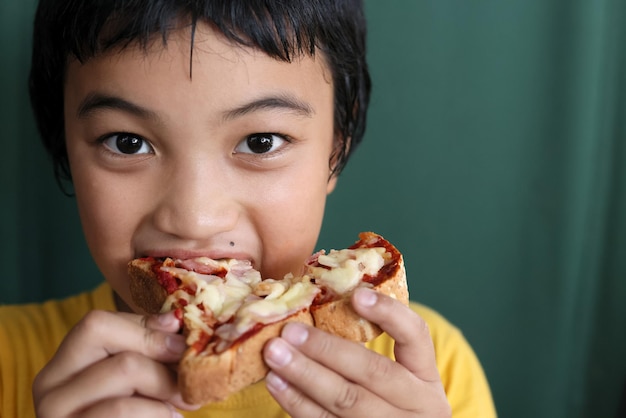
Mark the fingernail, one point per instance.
(167, 319)
(366, 297)
(181, 404)
(275, 383)
(278, 352)
(175, 413)
(295, 333)
(175, 343)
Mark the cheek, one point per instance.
(108, 220)
(290, 222)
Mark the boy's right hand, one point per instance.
(113, 364)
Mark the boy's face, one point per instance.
(230, 162)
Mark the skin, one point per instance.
(192, 186)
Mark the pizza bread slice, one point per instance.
(228, 311)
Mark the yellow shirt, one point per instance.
(30, 334)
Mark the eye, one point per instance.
(260, 143)
(126, 143)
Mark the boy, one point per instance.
(211, 128)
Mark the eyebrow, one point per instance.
(96, 101)
(279, 102)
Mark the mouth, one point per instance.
(204, 266)
(204, 257)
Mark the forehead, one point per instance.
(189, 52)
(202, 39)
(178, 83)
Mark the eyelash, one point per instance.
(102, 141)
(111, 150)
(286, 139)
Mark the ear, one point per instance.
(340, 147)
(332, 182)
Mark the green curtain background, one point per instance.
(495, 160)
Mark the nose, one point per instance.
(196, 203)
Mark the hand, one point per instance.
(316, 374)
(113, 364)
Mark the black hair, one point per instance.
(283, 29)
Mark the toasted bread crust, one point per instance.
(339, 318)
(210, 378)
(145, 289)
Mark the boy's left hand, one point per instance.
(316, 374)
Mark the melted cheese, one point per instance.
(221, 296)
(298, 296)
(236, 303)
(343, 270)
(194, 315)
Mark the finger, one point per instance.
(124, 375)
(356, 364)
(292, 400)
(413, 345)
(166, 322)
(99, 335)
(131, 407)
(312, 380)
